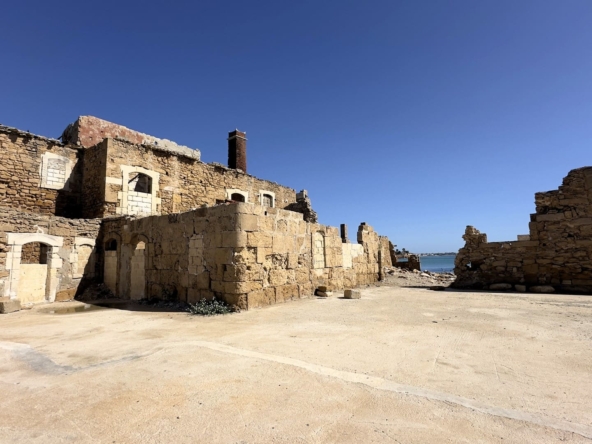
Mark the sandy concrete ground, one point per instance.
(401, 365)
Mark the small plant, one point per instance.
(210, 308)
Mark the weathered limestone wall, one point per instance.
(38, 174)
(559, 252)
(61, 248)
(246, 254)
(179, 183)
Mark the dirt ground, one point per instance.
(400, 365)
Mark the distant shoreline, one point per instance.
(437, 254)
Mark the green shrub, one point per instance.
(210, 308)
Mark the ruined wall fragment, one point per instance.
(558, 252)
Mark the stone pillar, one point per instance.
(237, 150)
(344, 233)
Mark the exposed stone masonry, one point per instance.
(557, 252)
(246, 254)
(35, 227)
(21, 184)
(158, 224)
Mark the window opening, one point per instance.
(237, 197)
(267, 200)
(141, 183)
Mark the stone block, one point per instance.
(550, 217)
(542, 289)
(8, 305)
(277, 277)
(302, 275)
(286, 292)
(65, 295)
(267, 223)
(352, 294)
(242, 287)
(500, 287)
(262, 254)
(282, 226)
(248, 222)
(218, 256)
(259, 239)
(279, 243)
(234, 239)
(520, 288)
(292, 260)
(305, 290)
(261, 298)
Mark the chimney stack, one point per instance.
(237, 150)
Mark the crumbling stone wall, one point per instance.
(73, 234)
(558, 252)
(413, 262)
(304, 206)
(246, 254)
(184, 183)
(38, 174)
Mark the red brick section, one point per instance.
(237, 150)
(88, 131)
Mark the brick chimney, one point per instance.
(237, 150)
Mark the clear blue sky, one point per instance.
(417, 117)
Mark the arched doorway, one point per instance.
(138, 271)
(32, 281)
(32, 263)
(111, 265)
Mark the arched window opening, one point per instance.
(34, 253)
(111, 245)
(237, 197)
(140, 183)
(267, 200)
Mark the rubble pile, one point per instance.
(413, 278)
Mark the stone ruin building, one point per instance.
(555, 256)
(147, 218)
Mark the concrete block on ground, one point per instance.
(352, 294)
(8, 305)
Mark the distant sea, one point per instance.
(438, 264)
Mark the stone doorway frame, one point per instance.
(13, 261)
